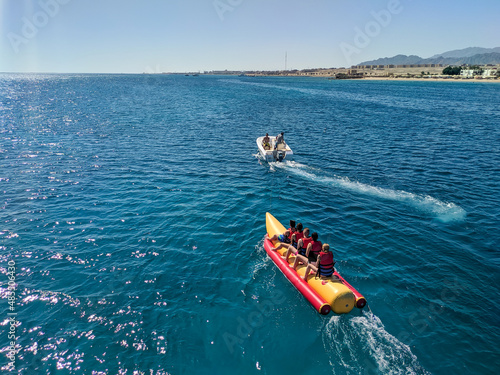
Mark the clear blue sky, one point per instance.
(132, 36)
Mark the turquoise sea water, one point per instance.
(134, 210)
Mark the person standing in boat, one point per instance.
(266, 142)
(325, 265)
(279, 140)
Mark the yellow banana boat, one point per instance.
(325, 294)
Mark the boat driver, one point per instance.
(279, 140)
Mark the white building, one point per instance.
(490, 73)
(469, 73)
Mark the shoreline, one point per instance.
(398, 79)
(470, 80)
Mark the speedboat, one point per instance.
(272, 153)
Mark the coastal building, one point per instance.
(376, 71)
(469, 73)
(490, 73)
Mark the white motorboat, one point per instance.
(271, 152)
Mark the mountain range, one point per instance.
(469, 56)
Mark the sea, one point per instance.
(132, 221)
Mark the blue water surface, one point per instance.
(133, 207)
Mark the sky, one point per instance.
(154, 36)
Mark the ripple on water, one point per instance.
(137, 234)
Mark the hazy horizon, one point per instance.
(74, 36)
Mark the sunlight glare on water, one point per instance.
(134, 209)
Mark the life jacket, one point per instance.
(291, 233)
(305, 241)
(298, 236)
(316, 247)
(326, 264)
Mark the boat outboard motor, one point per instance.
(281, 155)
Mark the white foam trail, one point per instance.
(443, 211)
(361, 345)
(263, 261)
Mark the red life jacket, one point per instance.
(316, 247)
(306, 241)
(291, 232)
(298, 236)
(326, 259)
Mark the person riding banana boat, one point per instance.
(311, 252)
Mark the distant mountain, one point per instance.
(479, 59)
(470, 56)
(396, 60)
(467, 52)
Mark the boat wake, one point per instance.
(367, 348)
(442, 211)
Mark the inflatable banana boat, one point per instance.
(325, 294)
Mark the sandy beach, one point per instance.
(471, 80)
